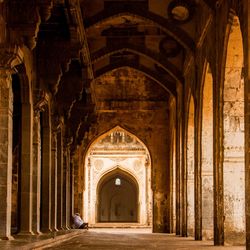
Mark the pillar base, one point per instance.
(7, 238)
(46, 231)
(26, 233)
(38, 233)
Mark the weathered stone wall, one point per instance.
(151, 128)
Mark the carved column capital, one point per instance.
(10, 56)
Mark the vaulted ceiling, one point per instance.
(135, 55)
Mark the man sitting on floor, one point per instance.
(78, 222)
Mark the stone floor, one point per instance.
(25, 242)
(128, 239)
(108, 239)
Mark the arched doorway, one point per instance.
(118, 180)
(118, 198)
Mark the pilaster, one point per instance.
(6, 112)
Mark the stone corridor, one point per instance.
(127, 112)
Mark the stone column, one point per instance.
(184, 172)
(148, 192)
(178, 171)
(197, 173)
(6, 110)
(64, 189)
(59, 181)
(161, 178)
(68, 201)
(46, 173)
(54, 182)
(218, 145)
(72, 189)
(76, 184)
(36, 173)
(26, 170)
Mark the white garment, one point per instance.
(77, 221)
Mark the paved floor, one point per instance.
(128, 239)
(27, 242)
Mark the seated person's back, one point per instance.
(78, 222)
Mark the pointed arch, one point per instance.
(163, 62)
(177, 33)
(117, 152)
(234, 132)
(168, 86)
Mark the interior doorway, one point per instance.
(118, 198)
(118, 180)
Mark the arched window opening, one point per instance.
(118, 182)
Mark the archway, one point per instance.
(234, 169)
(118, 180)
(207, 155)
(118, 198)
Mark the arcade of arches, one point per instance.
(133, 113)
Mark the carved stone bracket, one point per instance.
(10, 56)
(56, 123)
(55, 64)
(42, 101)
(23, 22)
